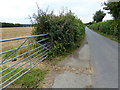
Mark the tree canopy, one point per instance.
(99, 15)
(114, 8)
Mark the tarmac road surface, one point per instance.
(104, 59)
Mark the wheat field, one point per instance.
(14, 32)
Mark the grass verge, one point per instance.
(30, 80)
(108, 36)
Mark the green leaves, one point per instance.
(114, 8)
(99, 15)
(64, 29)
(109, 27)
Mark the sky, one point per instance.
(17, 11)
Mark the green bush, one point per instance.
(64, 30)
(109, 27)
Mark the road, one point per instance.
(76, 70)
(93, 65)
(104, 59)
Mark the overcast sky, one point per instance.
(17, 11)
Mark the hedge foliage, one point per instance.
(65, 30)
(109, 27)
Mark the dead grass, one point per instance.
(14, 32)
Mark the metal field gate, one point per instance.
(31, 51)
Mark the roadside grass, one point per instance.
(30, 80)
(108, 36)
(109, 29)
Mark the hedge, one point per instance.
(109, 27)
(65, 30)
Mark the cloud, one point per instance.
(18, 10)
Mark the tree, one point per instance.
(99, 15)
(114, 8)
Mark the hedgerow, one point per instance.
(65, 30)
(109, 27)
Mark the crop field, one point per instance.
(14, 32)
(35, 75)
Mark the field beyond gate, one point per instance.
(32, 53)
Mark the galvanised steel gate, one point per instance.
(32, 52)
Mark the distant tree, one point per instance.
(114, 8)
(4, 24)
(99, 15)
(89, 23)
